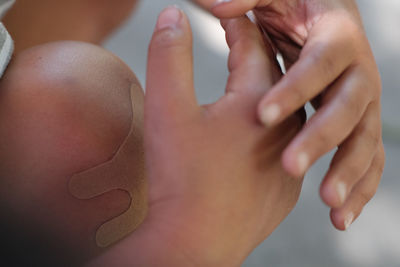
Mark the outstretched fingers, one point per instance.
(325, 56)
(353, 159)
(361, 194)
(345, 105)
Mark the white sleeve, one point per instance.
(6, 42)
(6, 48)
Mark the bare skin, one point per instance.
(330, 63)
(36, 22)
(171, 231)
(310, 43)
(64, 108)
(217, 187)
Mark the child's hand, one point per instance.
(330, 62)
(217, 188)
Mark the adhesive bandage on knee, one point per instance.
(125, 171)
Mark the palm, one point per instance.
(289, 23)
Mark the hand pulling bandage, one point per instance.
(125, 171)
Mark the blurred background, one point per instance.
(306, 238)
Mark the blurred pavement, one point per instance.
(306, 238)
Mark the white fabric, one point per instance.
(6, 42)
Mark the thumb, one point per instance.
(169, 89)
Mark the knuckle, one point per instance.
(375, 85)
(326, 62)
(355, 34)
(238, 53)
(294, 94)
(243, 46)
(381, 159)
(352, 103)
(367, 195)
(323, 137)
(372, 83)
(353, 172)
(297, 96)
(372, 136)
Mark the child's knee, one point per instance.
(67, 103)
(64, 108)
(70, 97)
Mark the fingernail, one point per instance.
(220, 2)
(169, 18)
(348, 220)
(341, 190)
(270, 114)
(303, 160)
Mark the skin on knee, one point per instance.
(36, 22)
(65, 108)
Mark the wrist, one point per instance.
(144, 247)
(158, 244)
(167, 242)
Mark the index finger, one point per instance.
(251, 64)
(328, 52)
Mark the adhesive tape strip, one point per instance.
(125, 171)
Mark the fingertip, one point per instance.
(170, 28)
(335, 219)
(348, 220)
(333, 195)
(224, 9)
(270, 114)
(221, 3)
(170, 18)
(232, 8)
(274, 107)
(342, 221)
(295, 164)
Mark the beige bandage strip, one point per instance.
(125, 171)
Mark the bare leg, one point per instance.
(41, 21)
(64, 108)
